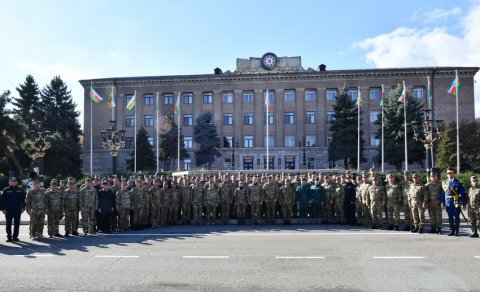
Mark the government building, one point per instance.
(301, 110)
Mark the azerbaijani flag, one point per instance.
(403, 96)
(430, 93)
(382, 96)
(454, 87)
(359, 99)
(133, 102)
(176, 108)
(267, 102)
(111, 100)
(94, 96)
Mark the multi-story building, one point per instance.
(301, 103)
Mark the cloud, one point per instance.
(412, 47)
(438, 14)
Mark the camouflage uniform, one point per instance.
(146, 202)
(418, 198)
(164, 205)
(197, 202)
(35, 205)
(287, 201)
(473, 209)
(377, 203)
(71, 205)
(114, 215)
(123, 204)
(366, 210)
(394, 199)
(155, 198)
(270, 191)
(185, 194)
(339, 202)
(88, 206)
(240, 195)
(173, 207)
(407, 212)
(327, 212)
(137, 205)
(435, 191)
(54, 200)
(211, 202)
(255, 199)
(359, 205)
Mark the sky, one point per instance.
(116, 38)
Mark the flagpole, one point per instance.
(178, 133)
(91, 133)
(458, 129)
(267, 105)
(111, 104)
(135, 136)
(157, 138)
(429, 103)
(405, 126)
(358, 130)
(383, 142)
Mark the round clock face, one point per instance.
(269, 61)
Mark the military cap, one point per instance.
(70, 179)
(104, 182)
(157, 173)
(406, 172)
(53, 182)
(375, 177)
(88, 179)
(390, 175)
(433, 174)
(415, 175)
(364, 175)
(373, 169)
(473, 178)
(12, 178)
(450, 170)
(317, 178)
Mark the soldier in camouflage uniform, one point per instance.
(211, 201)
(405, 187)
(474, 206)
(226, 190)
(197, 200)
(173, 207)
(54, 199)
(115, 187)
(270, 191)
(88, 206)
(36, 206)
(317, 198)
(155, 197)
(339, 201)
(303, 194)
(435, 191)
(359, 202)
(376, 200)
(366, 209)
(394, 199)
(185, 192)
(240, 195)
(255, 199)
(123, 204)
(71, 205)
(328, 208)
(137, 204)
(164, 204)
(146, 204)
(287, 200)
(418, 198)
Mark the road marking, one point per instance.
(115, 256)
(282, 257)
(477, 257)
(398, 257)
(327, 233)
(34, 255)
(206, 257)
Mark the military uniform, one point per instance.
(164, 205)
(185, 194)
(287, 201)
(435, 192)
(54, 199)
(123, 204)
(137, 205)
(454, 199)
(71, 205)
(211, 202)
(270, 191)
(36, 206)
(255, 199)
(197, 202)
(318, 199)
(376, 201)
(474, 207)
(394, 199)
(339, 203)
(366, 210)
(303, 196)
(418, 198)
(173, 207)
(88, 206)
(407, 212)
(226, 198)
(155, 197)
(240, 196)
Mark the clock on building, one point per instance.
(269, 61)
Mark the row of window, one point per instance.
(288, 96)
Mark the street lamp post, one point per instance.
(432, 134)
(40, 145)
(303, 145)
(113, 141)
(233, 148)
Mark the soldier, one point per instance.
(240, 195)
(88, 206)
(474, 206)
(405, 187)
(255, 199)
(287, 200)
(197, 200)
(226, 198)
(115, 187)
(350, 194)
(146, 204)
(35, 206)
(328, 208)
(12, 204)
(123, 204)
(366, 208)
(303, 195)
(394, 198)
(155, 198)
(435, 191)
(137, 205)
(211, 201)
(339, 200)
(418, 198)
(173, 207)
(185, 192)
(106, 205)
(359, 202)
(376, 199)
(71, 205)
(317, 199)
(54, 200)
(164, 203)
(270, 191)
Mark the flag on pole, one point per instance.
(430, 92)
(403, 96)
(268, 105)
(133, 102)
(382, 95)
(96, 98)
(359, 99)
(176, 108)
(111, 100)
(454, 87)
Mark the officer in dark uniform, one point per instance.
(12, 204)
(106, 204)
(454, 198)
(350, 198)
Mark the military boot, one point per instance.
(395, 228)
(474, 233)
(390, 227)
(457, 228)
(407, 228)
(439, 230)
(420, 230)
(452, 229)
(414, 230)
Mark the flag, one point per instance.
(267, 102)
(403, 96)
(382, 96)
(176, 108)
(454, 87)
(96, 98)
(133, 102)
(359, 99)
(429, 85)
(111, 100)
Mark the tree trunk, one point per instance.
(16, 162)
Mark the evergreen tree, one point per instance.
(169, 141)
(344, 129)
(447, 147)
(394, 129)
(206, 140)
(469, 145)
(27, 105)
(145, 155)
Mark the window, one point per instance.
(149, 99)
(187, 98)
(353, 93)
(228, 141)
(128, 143)
(248, 141)
(311, 141)
(331, 117)
(418, 92)
(248, 97)
(228, 97)
(289, 118)
(151, 141)
(248, 119)
(187, 164)
(310, 95)
(289, 141)
(248, 163)
(148, 121)
(270, 141)
(129, 121)
(289, 96)
(271, 118)
(127, 98)
(311, 163)
(208, 97)
(187, 120)
(228, 119)
(331, 94)
(188, 142)
(310, 118)
(374, 141)
(375, 93)
(374, 116)
(168, 98)
(271, 97)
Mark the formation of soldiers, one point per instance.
(316, 198)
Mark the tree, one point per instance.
(145, 155)
(169, 141)
(447, 148)
(27, 105)
(206, 140)
(394, 129)
(344, 129)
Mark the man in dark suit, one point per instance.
(12, 204)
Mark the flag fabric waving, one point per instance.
(111, 100)
(403, 96)
(382, 96)
(176, 108)
(133, 102)
(268, 105)
(359, 98)
(94, 96)
(454, 87)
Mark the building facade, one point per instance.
(301, 110)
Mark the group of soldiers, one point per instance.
(152, 201)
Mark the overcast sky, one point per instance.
(103, 38)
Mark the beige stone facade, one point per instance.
(236, 100)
